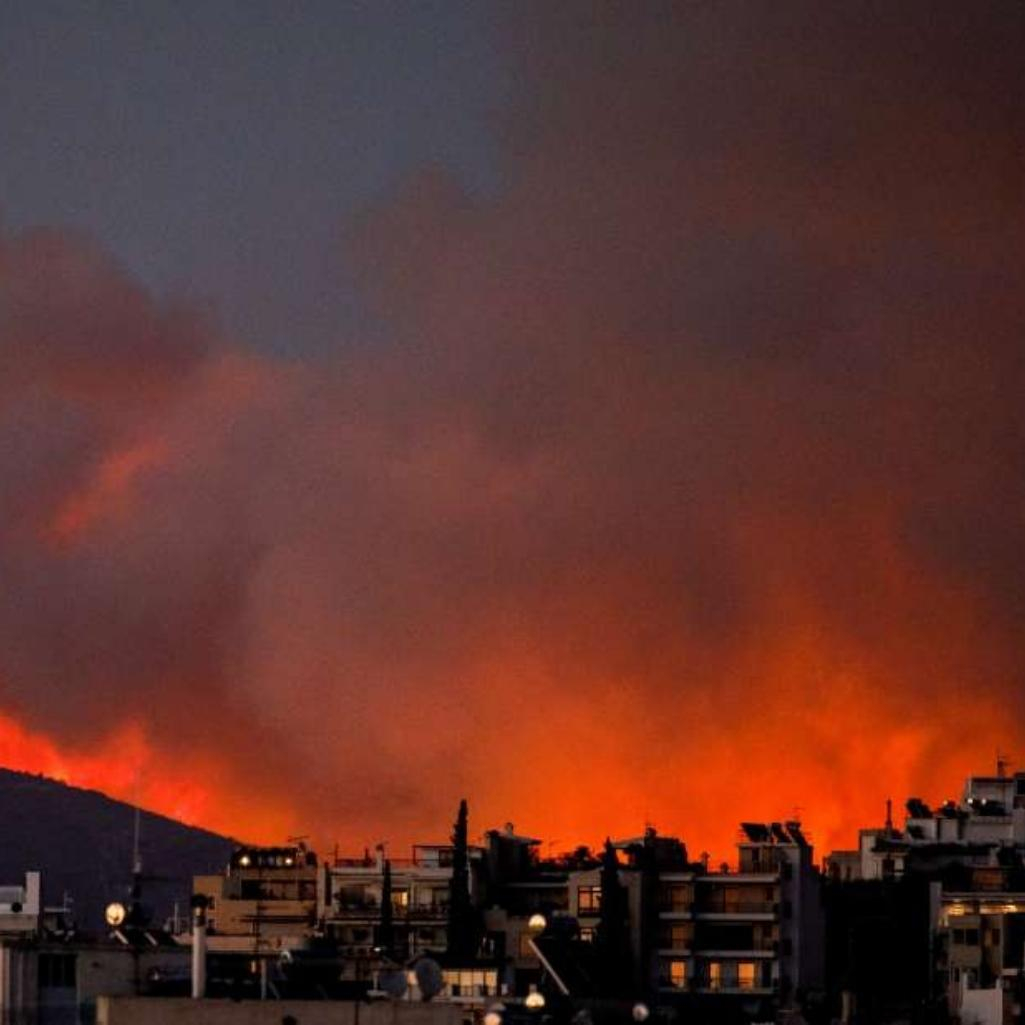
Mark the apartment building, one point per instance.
(989, 815)
(979, 945)
(50, 974)
(351, 893)
(752, 937)
(263, 907)
(928, 912)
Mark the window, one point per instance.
(587, 934)
(474, 982)
(678, 974)
(433, 897)
(714, 975)
(588, 899)
(746, 975)
(400, 899)
(676, 936)
(675, 898)
(353, 896)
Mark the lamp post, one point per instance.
(199, 903)
(534, 1000)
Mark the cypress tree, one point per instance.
(613, 938)
(461, 933)
(385, 928)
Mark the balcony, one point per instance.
(428, 861)
(424, 912)
(434, 912)
(712, 986)
(356, 909)
(741, 907)
(761, 952)
(678, 907)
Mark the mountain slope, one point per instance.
(81, 841)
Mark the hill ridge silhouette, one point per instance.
(81, 841)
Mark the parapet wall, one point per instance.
(183, 1011)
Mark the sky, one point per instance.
(609, 413)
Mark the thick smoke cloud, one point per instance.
(687, 486)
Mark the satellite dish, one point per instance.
(115, 914)
(393, 982)
(429, 978)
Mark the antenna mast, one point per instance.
(136, 854)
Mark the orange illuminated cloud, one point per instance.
(678, 482)
(106, 494)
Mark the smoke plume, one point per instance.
(686, 486)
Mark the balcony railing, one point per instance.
(421, 911)
(400, 912)
(396, 863)
(677, 907)
(740, 907)
(733, 985)
(357, 907)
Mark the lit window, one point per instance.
(588, 898)
(746, 975)
(471, 983)
(714, 975)
(678, 974)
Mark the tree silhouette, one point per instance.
(462, 933)
(385, 927)
(612, 939)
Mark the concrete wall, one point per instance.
(25, 920)
(182, 1011)
(982, 1006)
